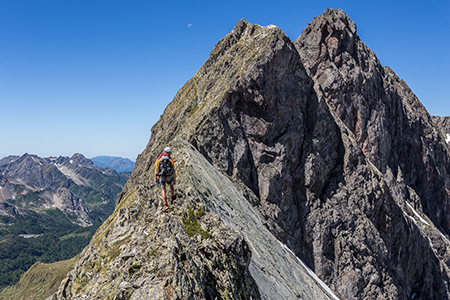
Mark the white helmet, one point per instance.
(167, 150)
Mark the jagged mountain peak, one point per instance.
(243, 30)
(250, 59)
(81, 159)
(332, 38)
(30, 158)
(306, 149)
(392, 127)
(334, 19)
(241, 110)
(334, 29)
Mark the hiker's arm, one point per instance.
(174, 172)
(156, 170)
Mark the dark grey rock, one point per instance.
(309, 158)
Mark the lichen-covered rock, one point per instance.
(142, 252)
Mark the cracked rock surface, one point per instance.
(291, 155)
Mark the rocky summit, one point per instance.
(306, 170)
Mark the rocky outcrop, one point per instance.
(8, 210)
(391, 126)
(309, 153)
(144, 253)
(278, 273)
(72, 206)
(443, 124)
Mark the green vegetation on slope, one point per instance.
(58, 239)
(40, 281)
(31, 228)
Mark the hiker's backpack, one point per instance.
(165, 170)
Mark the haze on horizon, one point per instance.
(93, 77)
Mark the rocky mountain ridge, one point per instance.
(393, 128)
(290, 154)
(49, 208)
(74, 185)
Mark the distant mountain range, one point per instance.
(117, 163)
(54, 204)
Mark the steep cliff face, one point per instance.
(142, 252)
(289, 149)
(391, 126)
(197, 112)
(443, 123)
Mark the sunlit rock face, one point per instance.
(289, 154)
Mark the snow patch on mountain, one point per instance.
(417, 214)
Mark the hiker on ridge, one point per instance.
(165, 174)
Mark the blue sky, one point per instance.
(92, 77)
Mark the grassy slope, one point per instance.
(40, 281)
